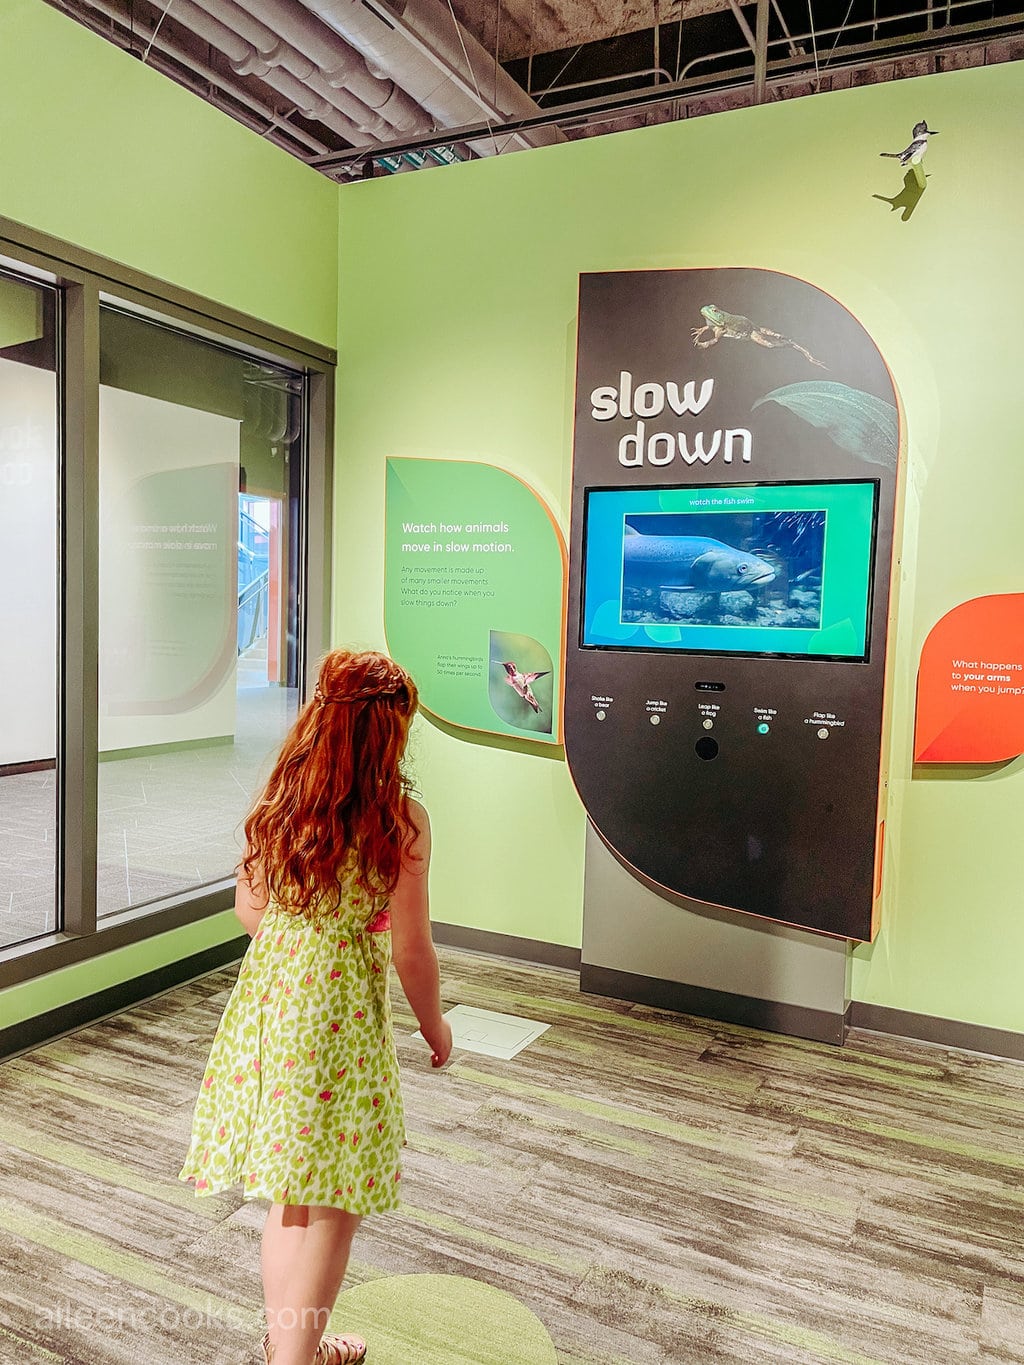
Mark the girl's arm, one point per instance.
(251, 897)
(411, 943)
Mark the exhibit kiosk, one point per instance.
(735, 502)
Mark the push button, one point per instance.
(706, 747)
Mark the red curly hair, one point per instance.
(338, 796)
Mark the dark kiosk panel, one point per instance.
(734, 501)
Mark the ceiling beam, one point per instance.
(745, 28)
(761, 52)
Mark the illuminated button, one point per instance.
(600, 715)
(709, 724)
(763, 728)
(655, 719)
(823, 733)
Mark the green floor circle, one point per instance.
(430, 1319)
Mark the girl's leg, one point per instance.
(282, 1241)
(305, 1254)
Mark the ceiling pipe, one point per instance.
(442, 66)
(274, 128)
(359, 129)
(293, 39)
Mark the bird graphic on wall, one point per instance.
(912, 154)
(520, 683)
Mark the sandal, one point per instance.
(345, 1350)
(333, 1350)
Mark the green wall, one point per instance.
(457, 314)
(107, 154)
(458, 296)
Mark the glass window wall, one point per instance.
(28, 609)
(200, 500)
(164, 484)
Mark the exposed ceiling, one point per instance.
(361, 87)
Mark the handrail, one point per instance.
(253, 589)
(253, 611)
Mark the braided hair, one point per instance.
(336, 803)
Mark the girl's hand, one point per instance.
(439, 1041)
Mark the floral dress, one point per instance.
(300, 1102)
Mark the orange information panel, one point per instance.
(970, 684)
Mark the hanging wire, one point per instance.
(814, 45)
(497, 47)
(472, 73)
(152, 37)
(565, 67)
(842, 26)
(548, 89)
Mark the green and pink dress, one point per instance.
(300, 1102)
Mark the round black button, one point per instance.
(706, 747)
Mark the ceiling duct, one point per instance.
(266, 123)
(359, 128)
(288, 36)
(443, 67)
(340, 111)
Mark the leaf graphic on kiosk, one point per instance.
(856, 421)
(474, 581)
(970, 684)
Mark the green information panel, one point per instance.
(474, 593)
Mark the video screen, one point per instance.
(775, 569)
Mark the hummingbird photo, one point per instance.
(912, 154)
(520, 683)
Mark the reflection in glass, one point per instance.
(200, 482)
(28, 610)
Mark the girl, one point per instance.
(300, 1101)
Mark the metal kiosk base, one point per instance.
(640, 945)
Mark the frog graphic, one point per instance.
(722, 324)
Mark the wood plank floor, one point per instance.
(655, 1188)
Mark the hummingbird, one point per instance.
(912, 154)
(520, 683)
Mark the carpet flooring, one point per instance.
(651, 1188)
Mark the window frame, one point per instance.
(86, 282)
